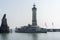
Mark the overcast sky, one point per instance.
(19, 12)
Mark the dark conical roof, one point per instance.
(34, 6)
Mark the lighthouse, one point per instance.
(34, 28)
(34, 20)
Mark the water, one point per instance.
(30, 36)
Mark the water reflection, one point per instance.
(38, 36)
(4, 36)
(29, 36)
(34, 36)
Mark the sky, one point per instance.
(19, 12)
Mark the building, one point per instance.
(34, 28)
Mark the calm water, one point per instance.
(30, 36)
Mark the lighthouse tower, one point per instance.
(34, 21)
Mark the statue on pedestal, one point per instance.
(4, 27)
